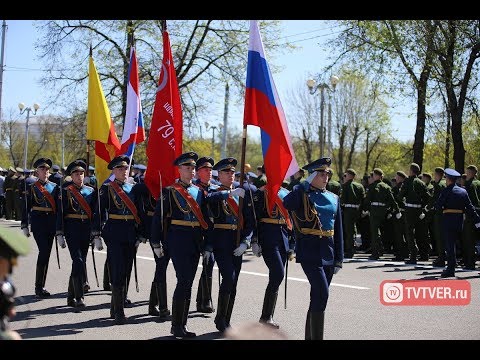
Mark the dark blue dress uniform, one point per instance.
(453, 202)
(222, 240)
(42, 217)
(118, 227)
(157, 303)
(74, 221)
(204, 292)
(180, 233)
(319, 242)
(276, 241)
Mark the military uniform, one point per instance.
(56, 177)
(415, 195)
(74, 221)
(400, 249)
(275, 242)
(18, 189)
(335, 187)
(454, 202)
(353, 195)
(10, 194)
(317, 221)
(378, 202)
(470, 235)
(40, 211)
(436, 231)
(222, 240)
(157, 303)
(204, 291)
(116, 219)
(180, 232)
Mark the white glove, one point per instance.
(98, 242)
(398, 215)
(26, 232)
(206, 256)
(389, 216)
(256, 249)
(158, 251)
(61, 240)
(477, 225)
(422, 216)
(311, 177)
(238, 192)
(364, 213)
(240, 249)
(290, 255)
(336, 270)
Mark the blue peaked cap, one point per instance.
(452, 173)
(318, 165)
(188, 158)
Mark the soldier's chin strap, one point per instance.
(311, 177)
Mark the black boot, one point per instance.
(178, 307)
(106, 277)
(231, 302)
(221, 317)
(308, 335)
(126, 300)
(40, 277)
(204, 295)
(112, 308)
(317, 321)
(70, 293)
(86, 285)
(118, 303)
(268, 309)
(153, 301)
(186, 309)
(162, 300)
(78, 289)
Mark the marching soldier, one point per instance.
(379, 201)
(119, 225)
(74, 218)
(40, 209)
(437, 233)
(415, 195)
(353, 195)
(275, 242)
(204, 181)
(223, 207)
(178, 224)
(18, 190)
(470, 235)
(157, 303)
(453, 202)
(10, 193)
(399, 244)
(319, 239)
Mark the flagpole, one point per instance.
(242, 178)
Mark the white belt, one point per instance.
(417, 206)
(477, 208)
(351, 206)
(375, 203)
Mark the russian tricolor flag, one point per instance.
(133, 130)
(263, 109)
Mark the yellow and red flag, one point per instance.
(100, 126)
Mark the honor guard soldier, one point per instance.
(470, 235)
(275, 242)
(415, 195)
(157, 303)
(438, 184)
(351, 199)
(454, 202)
(119, 225)
(40, 210)
(378, 202)
(178, 224)
(205, 182)
(222, 240)
(317, 221)
(74, 224)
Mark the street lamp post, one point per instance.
(313, 87)
(24, 109)
(218, 127)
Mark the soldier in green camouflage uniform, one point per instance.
(399, 242)
(470, 234)
(334, 186)
(17, 192)
(438, 184)
(427, 180)
(353, 195)
(378, 202)
(415, 195)
(9, 193)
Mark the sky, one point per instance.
(22, 70)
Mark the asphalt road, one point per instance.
(354, 311)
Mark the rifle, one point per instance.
(135, 270)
